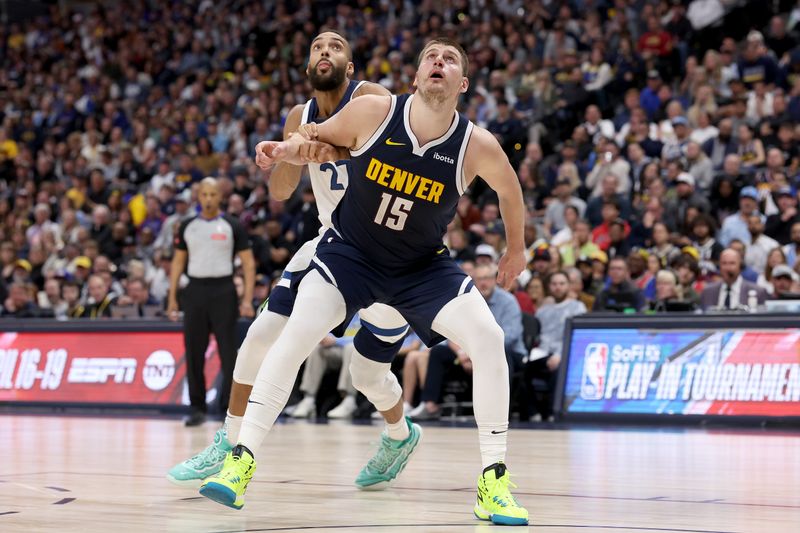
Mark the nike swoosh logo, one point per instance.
(498, 432)
(259, 403)
(390, 142)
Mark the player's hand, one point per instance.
(264, 154)
(246, 310)
(270, 152)
(308, 131)
(510, 267)
(317, 152)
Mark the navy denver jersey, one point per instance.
(401, 195)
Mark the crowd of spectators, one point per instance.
(647, 139)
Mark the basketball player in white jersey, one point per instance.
(383, 329)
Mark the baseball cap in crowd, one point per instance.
(583, 259)
(691, 251)
(599, 255)
(496, 227)
(184, 196)
(24, 264)
(784, 271)
(82, 261)
(653, 74)
(618, 222)
(486, 250)
(786, 191)
(749, 192)
(680, 121)
(685, 177)
(542, 253)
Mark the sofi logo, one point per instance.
(158, 370)
(595, 361)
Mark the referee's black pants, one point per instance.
(209, 306)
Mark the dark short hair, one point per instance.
(448, 42)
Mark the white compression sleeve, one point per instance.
(319, 307)
(468, 322)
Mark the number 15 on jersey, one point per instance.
(393, 211)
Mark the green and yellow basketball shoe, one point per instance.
(228, 487)
(495, 501)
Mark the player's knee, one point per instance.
(365, 374)
(487, 339)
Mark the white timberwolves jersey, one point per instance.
(328, 180)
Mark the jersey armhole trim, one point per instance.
(306, 110)
(358, 86)
(367, 145)
(461, 178)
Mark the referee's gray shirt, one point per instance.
(211, 245)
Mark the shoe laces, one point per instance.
(241, 468)
(210, 455)
(385, 456)
(502, 494)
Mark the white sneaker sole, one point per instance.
(185, 483)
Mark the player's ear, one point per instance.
(464, 85)
(414, 83)
(350, 69)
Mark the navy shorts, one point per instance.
(418, 294)
(281, 299)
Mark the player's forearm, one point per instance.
(283, 181)
(512, 209)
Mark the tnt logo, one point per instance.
(158, 370)
(593, 382)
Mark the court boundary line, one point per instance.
(658, 499)
(593, 527)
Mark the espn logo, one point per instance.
(101, 369)
(595, 362)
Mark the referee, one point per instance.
(205, 249)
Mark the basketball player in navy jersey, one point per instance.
(412, 157)
(383, 329)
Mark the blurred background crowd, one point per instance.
(648, 136)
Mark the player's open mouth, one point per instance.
(324, 66)
(437, 76)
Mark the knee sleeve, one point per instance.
(260, 337)
(375, 381)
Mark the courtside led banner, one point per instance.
(95, 367)
(728, 372)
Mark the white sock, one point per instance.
(398, 430)
(493, 438)
(233, 424)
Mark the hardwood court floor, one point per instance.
(107, 474)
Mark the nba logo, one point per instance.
(593, 382)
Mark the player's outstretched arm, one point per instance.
(485, 158)
(353, 126)
(285, 177)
